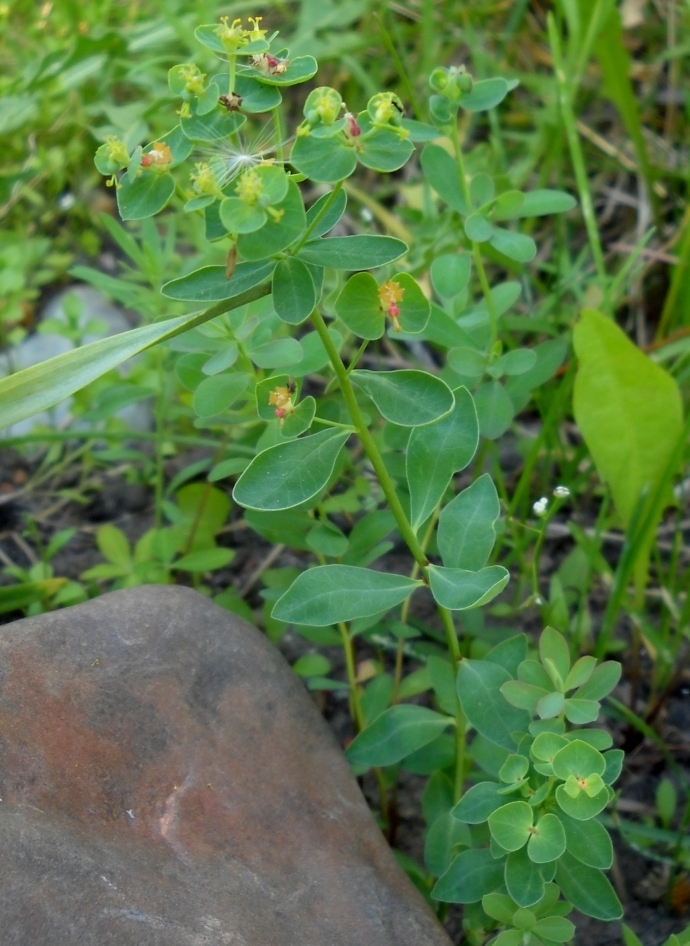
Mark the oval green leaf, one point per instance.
(470, 877)
(466, 531)
(408, 398)
(587, 889)
(145, 196)
(332, 593)
(210, 284)
(459, 589)
(395, 734)
(289, 474)
(350, 253)
(478, 684)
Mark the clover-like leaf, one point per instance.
(547, 840)
(511, 824)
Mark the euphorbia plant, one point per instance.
(278, 367)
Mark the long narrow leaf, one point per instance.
(42, 386)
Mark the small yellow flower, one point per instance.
(281, 399)
(255, 32)
(390, 294)
(231, 36)
(249, 187)
(193, 78)
(204, 181)
(117, 150)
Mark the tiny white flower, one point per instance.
(561, 492)
(539, 508)
(366, 215)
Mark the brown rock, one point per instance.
(166, 780)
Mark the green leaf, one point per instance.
(478, 685)
(602, 681)
(553, 646)
(555, 929)
(581, 712)
(514, 769)
(510, 825)
(494, 410)
(289, 474)
(523, 695)
(385, 151)
(218, 392)
(588, 841)
(516, 246)
(396, 733)
(359, 307)
(298, 70)
(330, 217)
(582, 807)
(324, 160)
(213, 126)
(408, 398)
(509, 653)
(467, 362)
(507, 206)
(350, 253)
(44, 385)
(485, 94)
(205, 560)
(581, 672)
(499, 907)
(516, 362)
(479, 802)
(628, 409)
(523, 878)
(450, 274)
(434, 453)
(414, 307)
(419, 131)
(114, 545)
(145, 196)
(210, 284)
(614, 764)
(587, 889)
(630, 939)
(444, 838)
(541, 202)
(466, 531)
(237, 216)
(441, 171)
(546, 745)
(278, 353)
(332, 593)
(459, 589)
(550, 705)
(578, 759)
(478, 228)
(276, 235)
(548, 842)
(327, 539)
(472, 875)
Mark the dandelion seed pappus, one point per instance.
(231, 157)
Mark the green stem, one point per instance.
(476, 248)
(231, 74)
(576, 154)
(279, 134)
(357, 714)
(369, 444)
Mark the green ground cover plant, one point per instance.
(355, 391)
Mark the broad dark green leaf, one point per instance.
(485, 94)
(587, 889)
(435, 452)
(524, 878)
(359, 306)
(210, 284)
(350, 253)
(459, 589)
(441, 171)
(588, 841)
(443, 840)
(471, 876)
(466, 531)
(408, 398)
(450, 274)
(290, 474)
(396, 733)
(145, 196)
(478, 685)
(479, 802)
(325, 160)
(294, 295)
(218, 392)
(332, 593)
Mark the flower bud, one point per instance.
(438, 80)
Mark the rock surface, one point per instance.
(166, 781)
